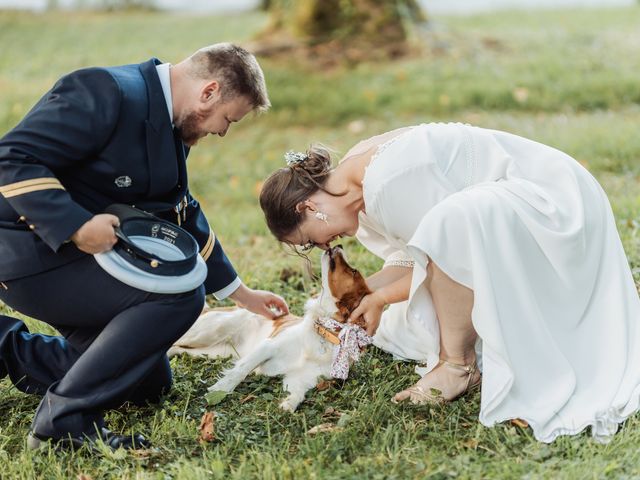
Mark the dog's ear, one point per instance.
(347, 304)
(343, 311)
(360, 322)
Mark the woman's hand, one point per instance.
(261, 302)
(370, 309)
(397, 283)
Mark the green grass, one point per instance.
(568, 79)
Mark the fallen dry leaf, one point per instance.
(518, 422)
(472, 443)
(206, 428)
(82, 476)
(324, 385)
(324, 427)
(247, 399)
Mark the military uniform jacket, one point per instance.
(99, 136)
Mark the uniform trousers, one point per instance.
(112, 349)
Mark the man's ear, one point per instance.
(210, 92)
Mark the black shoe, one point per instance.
(110, 439)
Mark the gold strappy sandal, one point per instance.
(418, 395)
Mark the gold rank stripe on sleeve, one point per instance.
(208, 247)
(28, 186)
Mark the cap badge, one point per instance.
(123, 181)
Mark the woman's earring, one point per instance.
(322, 216)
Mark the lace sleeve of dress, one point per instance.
(399, 263)
(399, 258)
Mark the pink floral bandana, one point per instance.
(352, 338)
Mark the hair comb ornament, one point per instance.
(294, 158)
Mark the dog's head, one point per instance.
(342, 285)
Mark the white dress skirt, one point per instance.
(531, 232)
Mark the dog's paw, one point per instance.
(221, 386)
(288, 405)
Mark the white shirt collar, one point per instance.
(165, 81)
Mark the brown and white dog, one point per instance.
(298, 348)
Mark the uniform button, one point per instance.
(32, 226)
(22, 218)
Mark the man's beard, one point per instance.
(189, 130)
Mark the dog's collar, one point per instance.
(348, 343)
(327, 334)
(321, 326)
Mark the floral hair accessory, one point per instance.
(293, 158)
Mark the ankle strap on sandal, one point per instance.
(469, 369)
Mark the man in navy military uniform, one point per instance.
(102, 136)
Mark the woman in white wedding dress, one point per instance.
(499, 251)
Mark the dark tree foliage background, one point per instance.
(354, 30)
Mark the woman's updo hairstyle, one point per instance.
(285, 188)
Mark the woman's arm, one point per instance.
(386, 276)
(397, 291)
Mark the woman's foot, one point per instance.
(443, 384)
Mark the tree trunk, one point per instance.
(354, 28)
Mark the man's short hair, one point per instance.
(237, 71)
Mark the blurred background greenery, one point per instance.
(567, 78)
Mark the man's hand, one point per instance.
(370, 309)
(97, 235)
(261, 302)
